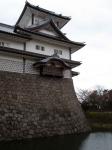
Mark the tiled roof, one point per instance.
(6, 28)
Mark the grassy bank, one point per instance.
(100, 121)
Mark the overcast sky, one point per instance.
(91, 23)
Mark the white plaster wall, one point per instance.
(67, 73)
(49, 49)
(31, 46)
(26, 19)
(12, 44)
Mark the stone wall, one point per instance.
(34, 106)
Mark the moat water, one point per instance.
(92, 141)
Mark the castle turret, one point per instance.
(37, 96)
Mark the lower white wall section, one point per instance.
(11, 65)
(29, 67)
(16, 64)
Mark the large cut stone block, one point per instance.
(35, 106)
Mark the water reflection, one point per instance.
(97, 141)
(68, 142)
(93, 141)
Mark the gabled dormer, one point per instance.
(44, 25)
(34, 15)
(47, 27)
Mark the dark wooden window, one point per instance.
(56, 51)
(52, 71)
(37, 47)
(32, 19)
(42, 48)
(1, 43)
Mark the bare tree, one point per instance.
(99, 99)
(83, 95)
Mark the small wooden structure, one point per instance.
(52, 66)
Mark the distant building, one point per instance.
(36, 36)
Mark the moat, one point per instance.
(92, 141)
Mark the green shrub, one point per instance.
(100, 120)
